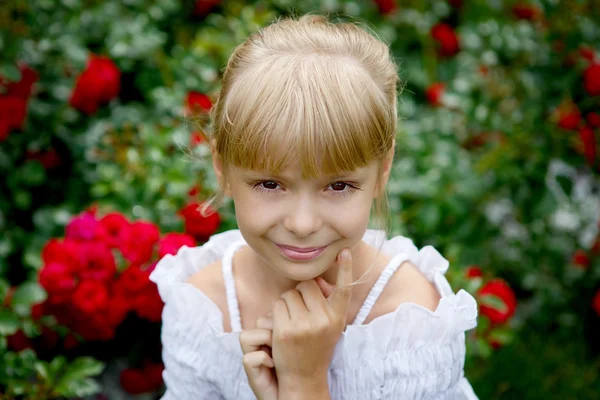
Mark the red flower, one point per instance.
(386, 6)
(98, 263)
(581, 259)
(588, 53)
(203, 7)
(148, 303)
(172, 242)
(48, 158)
(591, 79)
(526, 11)
(18, 341)
(596, 302)
(196, 138)
(132, 281)
(446, 38)
(198, 226)
(434, 94)
(99, 83)
(12, 115)
(67, 252)
(82, 227)
(500, 289)
(118, 308)
(57, 278)
(147, 379)
(197, 102)
(91, 297)
(596, 247)
(473, 272)
(569, 116)
(112, 225)
(586, 134)
(137, 241)
(22, 88)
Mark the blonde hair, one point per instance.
(310, 90)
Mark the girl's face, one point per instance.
(286, 210)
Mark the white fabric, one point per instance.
(412, 353)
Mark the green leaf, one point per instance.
(28, 294)
(11, 72)
(81, 388)
(43, 371)
(80, 369)
(33, 173)
(494, 302)
(9, 323)
(4, 286)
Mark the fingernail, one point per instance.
(345, 256)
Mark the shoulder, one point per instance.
(407, 285)
(210, 282)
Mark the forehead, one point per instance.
(293, 171)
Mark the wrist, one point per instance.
(315, 388)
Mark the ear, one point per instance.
(218, 168)
(388, 161)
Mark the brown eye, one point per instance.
(338, 186)
(270, 185)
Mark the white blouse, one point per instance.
(411, 353)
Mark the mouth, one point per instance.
(299, 253)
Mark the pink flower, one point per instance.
(82, 227)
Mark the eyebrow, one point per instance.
(343, 175)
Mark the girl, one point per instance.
(303, 301)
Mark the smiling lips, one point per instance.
(299, 253)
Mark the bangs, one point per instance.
(321, 111)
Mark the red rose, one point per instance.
(99, 263)
(99, 83)
(586, 134)
(526, 11)
(91, 297)
(13, 111)
(18, 341)
(203, 7)
(500, 289)
(593, 119)
(198, 226)
(446, 38)
(22, 88)
(596, 302)
(386, 6)
(118, 308)
(137, 241)
(57, 278)
(68, 252)
(112, 225)
(197, 102)
(82, 227)
(172, 242)
(434, 94)
(132, 281)
(473, 272)
(580, 259)
(37, 311)
(569, 116)
(48, 158)
(148, 303)
(591, 79)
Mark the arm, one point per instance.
(317, 389)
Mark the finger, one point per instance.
(264, 323)
(295, 303)
(257, 359)
(312, 295)
(252, 339)
(340, 298)
(281, 314)
(326, 287)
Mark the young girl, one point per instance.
(303, 301)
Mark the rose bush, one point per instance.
(106, 103)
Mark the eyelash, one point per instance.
(352, 188)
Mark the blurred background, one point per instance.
(103, 165)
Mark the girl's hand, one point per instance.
(306, 328)
(258, 364)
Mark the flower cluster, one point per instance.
(99, 272)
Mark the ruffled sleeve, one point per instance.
(196, 352)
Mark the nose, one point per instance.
(303, 217)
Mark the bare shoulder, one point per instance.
(407, 285)
(209, 280)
